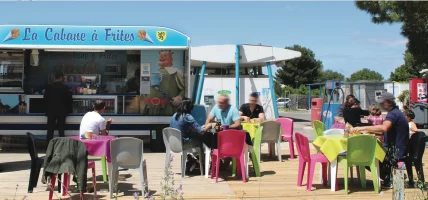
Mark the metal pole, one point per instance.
(320, 91)
(272, 91)
(195, 84)
(393, 88)
(201, 83)
(359, 92)
(237, 58)
(309, 97)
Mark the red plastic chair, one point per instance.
(287, 126)
(305, 156)
(66, 182)
(231, 143)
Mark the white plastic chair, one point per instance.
(172, 139)
(334, 132)
(127, 152)
(272, 135)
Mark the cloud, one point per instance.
(387, 42)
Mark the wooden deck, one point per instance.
(278, 181)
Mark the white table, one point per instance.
(333, 174)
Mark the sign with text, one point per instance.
(87, 36)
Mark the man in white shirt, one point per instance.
(94, 122)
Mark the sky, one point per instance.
(341, 36)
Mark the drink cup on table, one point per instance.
(213, 127)
(88, 134)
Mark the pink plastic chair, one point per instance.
(231, 143)
(305, 156)
(287, 126)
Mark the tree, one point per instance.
(409, 70)
(413, 15)
(365, 75)
(299, 71)
(330, 75)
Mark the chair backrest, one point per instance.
(231, 143)
(417, 145)
(199, 113)
(271, 131)
(334, 132)
(287, 126)
(127, 152)
(172, 139)
(31, 141)
(361, 150)
(302, 144)
(319, 128)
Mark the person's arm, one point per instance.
(236, 120)
(102, 127)
(241, 113)
(374, 129)
(364, 112)
(413, 128)
(210, 118)
(195, 126)
(69, 101)
(262, 113)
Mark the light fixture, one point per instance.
(74, 50)
(34, 58)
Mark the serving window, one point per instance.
(11, 71)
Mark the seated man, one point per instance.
(93, 121)
(225, 113)
(251, 109)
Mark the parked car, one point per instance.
(283, 102)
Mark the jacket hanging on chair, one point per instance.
(66, 155)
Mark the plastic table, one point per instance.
(332, 145)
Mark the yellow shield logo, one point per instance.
(161, 35)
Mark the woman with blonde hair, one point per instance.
(376, 118)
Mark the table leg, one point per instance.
(246, 161)
(109, 174)
(207, 160)
(333, 174)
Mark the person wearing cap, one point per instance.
(396, 131)
(251, 109)
(58, 101)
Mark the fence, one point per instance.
(299, 102)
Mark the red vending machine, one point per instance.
(418, 90)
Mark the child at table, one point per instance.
(376, 118)
(410, 116)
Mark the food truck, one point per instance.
(139, 71)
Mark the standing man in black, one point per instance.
(58, 101)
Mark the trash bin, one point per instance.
(156, 138)
(421, 114)
(316, 107)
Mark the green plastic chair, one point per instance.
(255, 156)
(103, 166)
(319, 128)
(361, 151)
